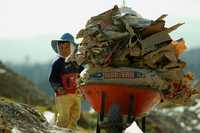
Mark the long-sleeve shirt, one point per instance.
(59, 68)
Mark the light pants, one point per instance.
(68, 108)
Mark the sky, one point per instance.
(28, 26)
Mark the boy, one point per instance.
(63, 80)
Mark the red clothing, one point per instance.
(68, 82)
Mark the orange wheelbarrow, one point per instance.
(117, 100)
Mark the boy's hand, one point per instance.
(60, 90)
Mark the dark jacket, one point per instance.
(59, 68)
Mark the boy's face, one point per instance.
(64, 49)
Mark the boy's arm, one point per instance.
(55, 74)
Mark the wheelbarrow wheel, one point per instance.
(114, 120)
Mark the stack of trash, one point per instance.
(122, 47)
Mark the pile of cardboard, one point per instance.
(121, 38)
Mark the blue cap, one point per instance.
(68, 37)
(65, 37)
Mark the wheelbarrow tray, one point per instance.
(143, 99)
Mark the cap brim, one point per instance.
(54, 44)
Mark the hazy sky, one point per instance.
(28, 26)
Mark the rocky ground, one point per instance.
(183, 119)
(21, 118)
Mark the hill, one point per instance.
(20, 89)
(40, 72)
(192, 58)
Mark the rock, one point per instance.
(16, 117)
(183, 119)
